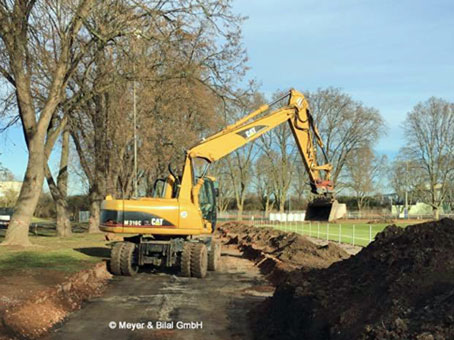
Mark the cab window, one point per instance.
(206, 199)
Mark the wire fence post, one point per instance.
(318, 229)
(370, 233)
(340, 233)
(353, 234)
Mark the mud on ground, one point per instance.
(399, 287)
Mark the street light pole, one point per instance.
(406, 193)
(137, 34)
(135, 134)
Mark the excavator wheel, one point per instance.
(128, 260)
(115, 257)
(185, 264)
(199, 260)
(214, 256)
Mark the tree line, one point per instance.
(74, 72)
(70, 68)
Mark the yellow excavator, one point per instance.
(174, 227)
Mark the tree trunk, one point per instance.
(436, 213)
(63, 222)
(58, 192)
(239, 211)
(282, 204)
(359, 204)
(17, 233)
(268, 206)
(95, 210)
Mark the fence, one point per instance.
(355, 234)
(351, 215)
(352, 232)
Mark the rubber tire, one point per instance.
(115, 258)
(214, 256)
(199, 260)
(185, 263)
(127, 266)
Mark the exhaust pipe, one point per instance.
(325, 209)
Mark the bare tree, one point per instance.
(300, 186)
(407, 180)
(430, 147)
(364, 170)
(263, 182)
(279, 146)
(179, 63)
(344, 124)
(25, 28)
(240, 162)
(220, 171)
(59, 190)
(240, 172)
(6, 174)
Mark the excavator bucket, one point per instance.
(325, 210)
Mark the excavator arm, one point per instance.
(297, 114)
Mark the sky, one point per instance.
(387, 54)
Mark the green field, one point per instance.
(49, 252)
(352, 232)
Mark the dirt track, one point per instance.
(221, 301)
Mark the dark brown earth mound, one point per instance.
(290, 248)
(400, 287)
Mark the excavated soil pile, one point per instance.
(400, 287)
(291, 249)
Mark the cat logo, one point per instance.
(251, 131)
(156, 221)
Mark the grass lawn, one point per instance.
(51, 252)
(353, 232)
(42, 220)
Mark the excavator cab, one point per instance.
(207, 201)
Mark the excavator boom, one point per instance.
(248, 129)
